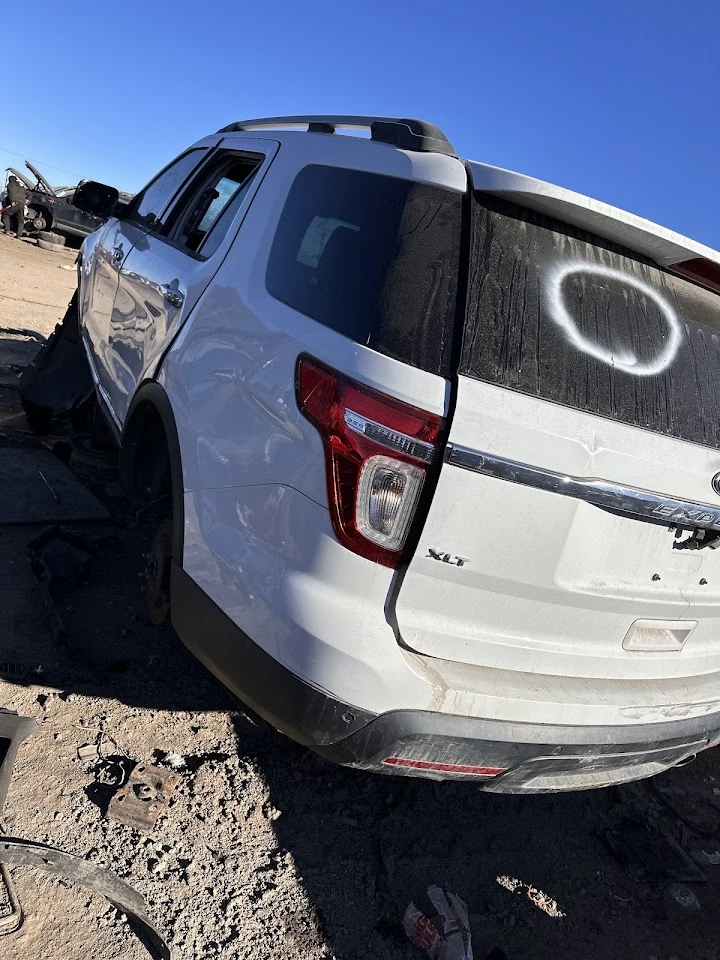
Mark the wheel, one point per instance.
(53, 247)
(52, 237)
(40, 221)
(157, 575)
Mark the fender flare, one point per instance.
(151, 395)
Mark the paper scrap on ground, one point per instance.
(446, 936)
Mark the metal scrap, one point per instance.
(97, 878)
(145, 795)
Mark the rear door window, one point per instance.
(148, 206)
(566, 316)
(374, 258)
(204, 214)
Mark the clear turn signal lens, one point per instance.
(387, 495)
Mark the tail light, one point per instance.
(377, 453)
(703, 271)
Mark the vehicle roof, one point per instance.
(658, 243)
(413, 137)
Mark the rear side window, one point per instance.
(374, 258)
(566, 316)
(202, 218)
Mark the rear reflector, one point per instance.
(377, 453)
(444, 767)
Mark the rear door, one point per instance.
(168, 269)
(105, 253)
(572, 529)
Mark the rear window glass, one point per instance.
(563, 315)
(373, 257)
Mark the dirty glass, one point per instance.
(565, 316)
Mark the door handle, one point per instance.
(117, 254)
(173, 297)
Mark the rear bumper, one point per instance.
(502, 757)
(519, 758)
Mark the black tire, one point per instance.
(50, 237)
(53, 247)
(157, 575)
(96, 467)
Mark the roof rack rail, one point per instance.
(408, 134)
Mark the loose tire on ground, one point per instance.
(53, 247)
(51, 237)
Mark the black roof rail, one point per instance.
(408, 134)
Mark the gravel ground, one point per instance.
(265, 850)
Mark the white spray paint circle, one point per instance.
(625, 360)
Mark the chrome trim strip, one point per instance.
(392, 439)
(629, 501)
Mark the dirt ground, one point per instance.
(265, 850)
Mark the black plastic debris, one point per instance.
(14, 672)
(58, 559)
(648, 856)
(93, 876)
(58, 379)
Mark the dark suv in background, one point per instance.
(52, 208)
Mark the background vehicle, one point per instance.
(439, 448)
(52, 208)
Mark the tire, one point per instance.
(53, 247)
(96, 467)
(157, 575)
(50, 237)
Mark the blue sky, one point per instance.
(618, 100)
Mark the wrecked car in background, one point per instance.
(52, 208)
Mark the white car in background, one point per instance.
(440, 447)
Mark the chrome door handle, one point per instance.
(173, 297)
(117, 254)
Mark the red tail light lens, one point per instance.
(377, 453)
(704, 271)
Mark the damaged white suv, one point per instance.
(442, 445)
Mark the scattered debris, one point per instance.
(37, 487)
(97, 878)
(139, 803)
(685, 897)
(13, 730)
(88, 751)
(713, 857)
(58, 560)
(45, 480)
(113, 771)
(540, 899)
(648, 856)
(696, 812)
(14, 672)
(444, 936)
(175, 761)
(11, 916)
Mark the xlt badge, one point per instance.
(447, 557)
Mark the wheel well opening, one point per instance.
(145, 472)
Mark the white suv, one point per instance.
(441, 444)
